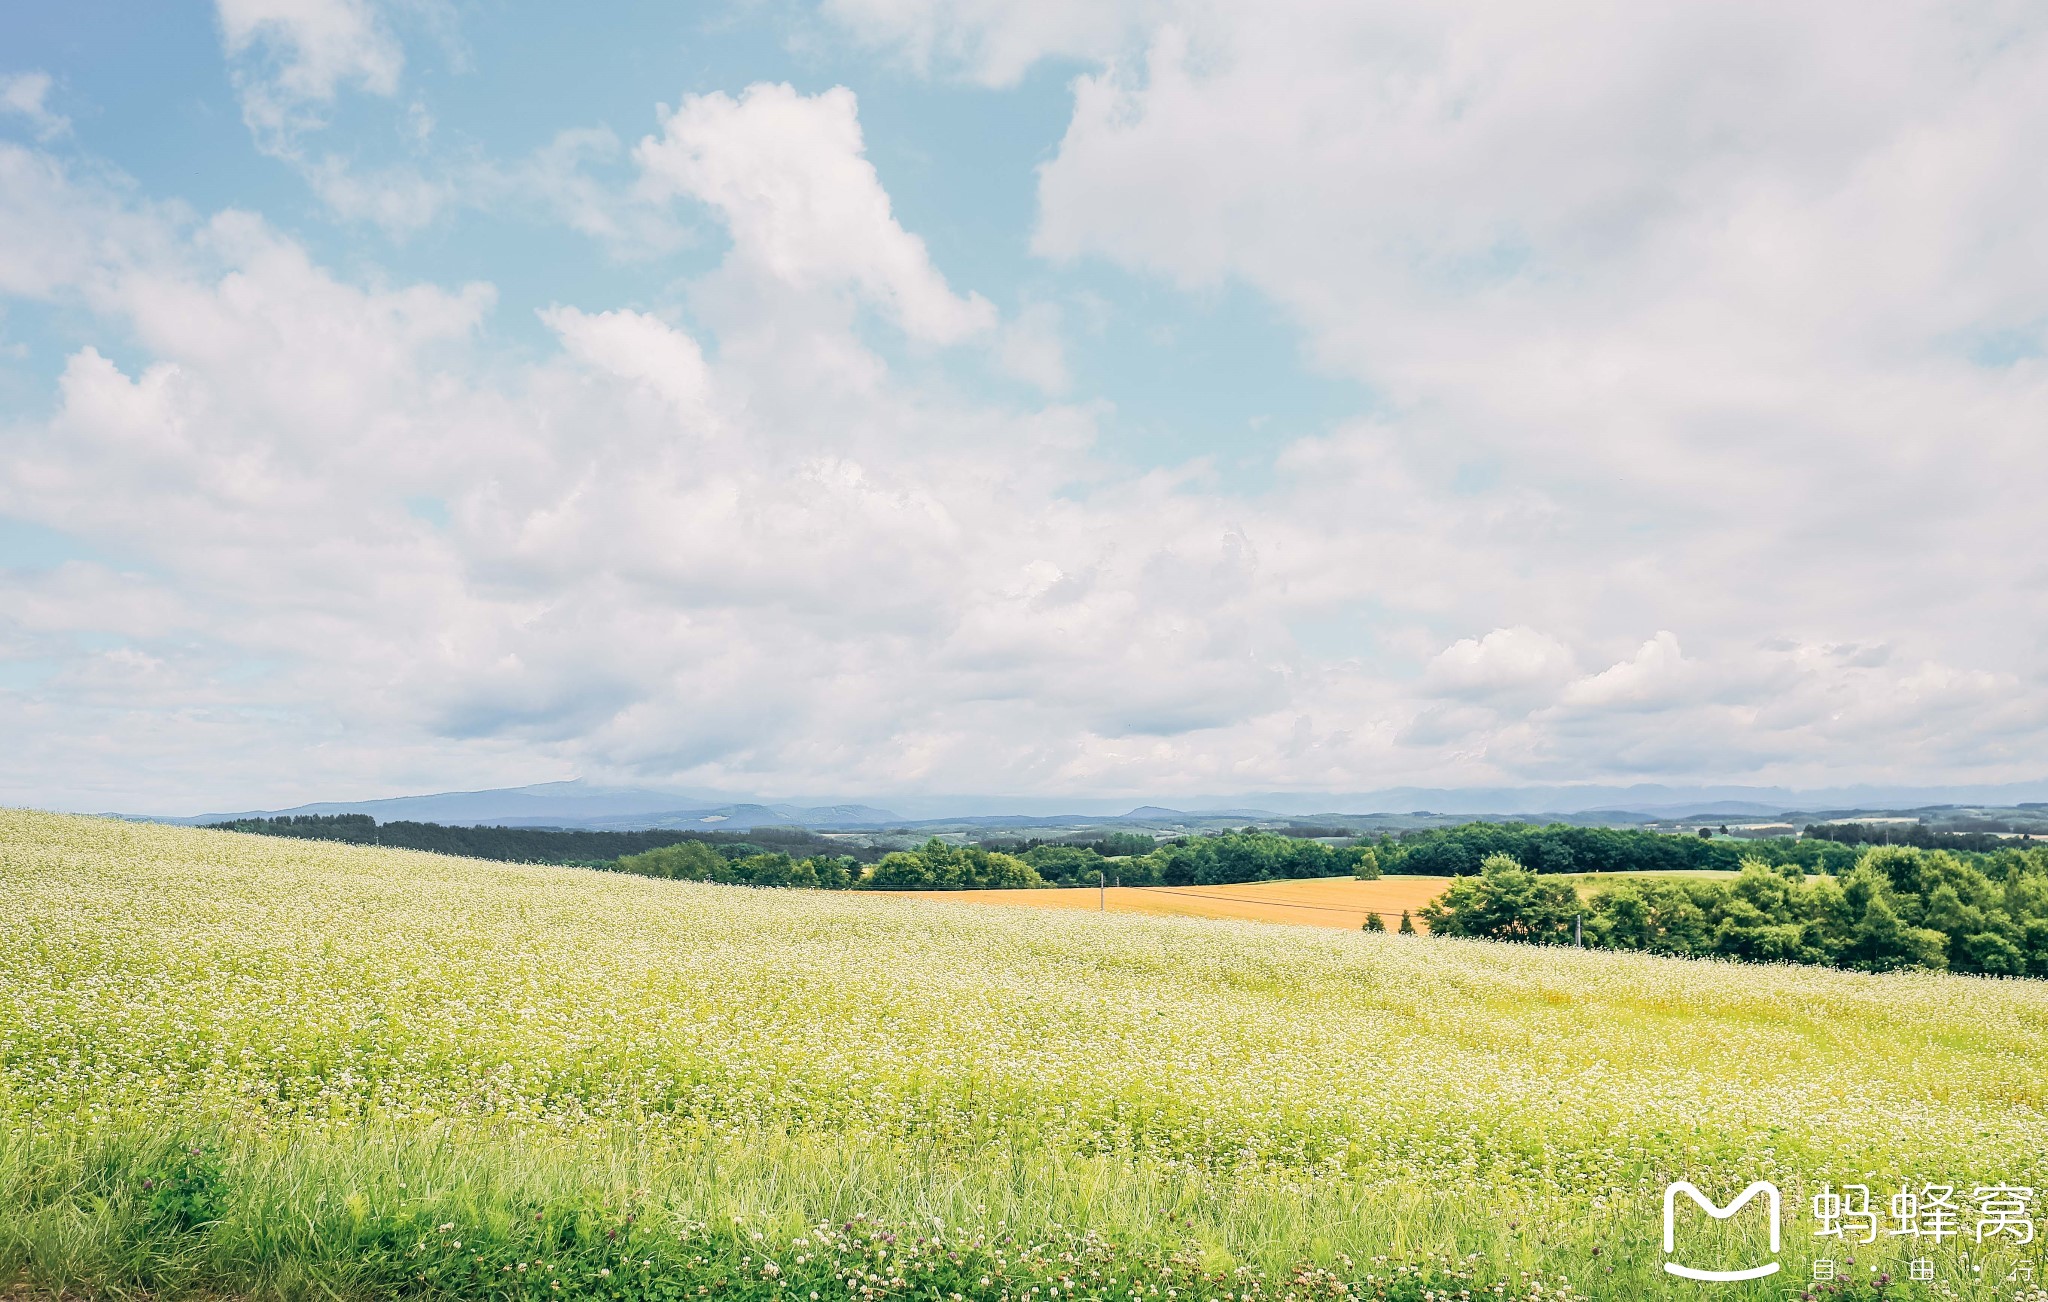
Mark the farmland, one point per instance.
(264, 1067)
(1337, 902)
(1340, 902)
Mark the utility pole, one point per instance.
(1102, 889)
(1578, 930)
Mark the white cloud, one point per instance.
(556, 181)
(1506, 662)
(1032, 349)
(635, 346)
(400, 200)
(293, 56)
(47, 221)
(1703, 289)
(1653, 677)
(1652, 353)
(789, 176)
(26, 94)
(992, 41)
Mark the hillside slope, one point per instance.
(343, 1050)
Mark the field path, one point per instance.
(1340, 902)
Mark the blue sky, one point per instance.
(1212, 370)
(913, 396)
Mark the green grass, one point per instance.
(277, 1068)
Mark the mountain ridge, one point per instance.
(579, 804)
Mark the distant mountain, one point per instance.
(1643, 800)
(578, 804)
(1154, 813)
(575, 804)
(737, 818)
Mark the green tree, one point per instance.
(1655, 916)
(1880, 941)
(691, 861)
(1407, 927)
(1365, 864)
(1118, 845)
(1250, 856)
(1065, 865)
(1505, 902)
(1760, 917)
(1440, 858)
(2025, 888)
(1374, 922)
(938, 866)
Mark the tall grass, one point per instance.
(305, 1070)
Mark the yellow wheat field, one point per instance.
(1340, 902)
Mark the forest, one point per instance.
(1248, 856)
(1917, 835)
(1562, 848)
(1897, 907)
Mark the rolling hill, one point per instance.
(250, 1066)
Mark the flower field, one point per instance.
(261, 1067)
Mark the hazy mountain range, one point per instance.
(579, 804)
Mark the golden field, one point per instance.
(1340, 902)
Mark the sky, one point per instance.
(1064, 398)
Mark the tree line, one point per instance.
(1918, 835)
(1896, 907)
(1248, 856)
(1108, 845)
(934, 866)
(552, 845)
(1563, 848)
(796, 857)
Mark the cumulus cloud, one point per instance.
(849, 598)
(1506, 662)
(789, 176)
(26, 95)
(635, 346)
(1655, 676)
(1741, 319)
(1647, 363)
